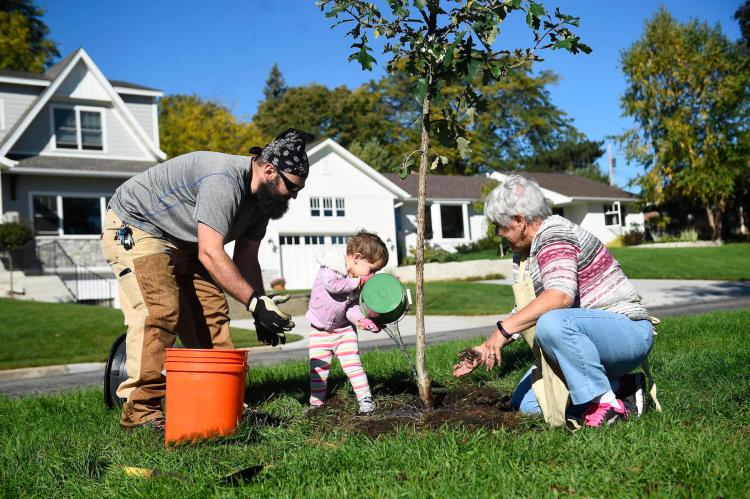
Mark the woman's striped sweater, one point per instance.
(568, 258)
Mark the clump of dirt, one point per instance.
(468, 354)
(467, 406)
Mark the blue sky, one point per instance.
(224, 49)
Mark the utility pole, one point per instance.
(611, 161)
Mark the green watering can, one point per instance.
(384, 300)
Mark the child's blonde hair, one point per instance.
(369, 245)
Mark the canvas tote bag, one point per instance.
(547, 380)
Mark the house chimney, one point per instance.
(611, 161)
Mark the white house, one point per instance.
(342, 194)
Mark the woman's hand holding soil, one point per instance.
(468, 360)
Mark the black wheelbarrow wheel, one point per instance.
(115, 373)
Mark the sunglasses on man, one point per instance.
(290, 186)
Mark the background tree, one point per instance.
(687, 92)
(742, 16)
(188, 123)
(443, 43)
(521, 129)
(13, 235)
(275, 84)
(24, 45)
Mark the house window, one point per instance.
(46, 221)
(314, 239)
(428, 222)
(91, 130)
(289, 240)
(612, 214)
(314, 207)
(452, 218)
(81, 216)
(340, 207)
(77, 128)
(68, 215)
(339, 239)
(327, 207)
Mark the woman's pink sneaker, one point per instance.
(597, 415)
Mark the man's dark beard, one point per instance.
(271, 202)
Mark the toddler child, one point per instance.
(334, 311)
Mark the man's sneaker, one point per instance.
(366, 405)
(632, 392)
(597, 414)
(157, 425)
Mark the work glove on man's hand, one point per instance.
(268, 337)
(268, 317)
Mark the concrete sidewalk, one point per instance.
(669, 297)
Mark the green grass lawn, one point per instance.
(464, 298)
(39, 334)
(727, 262)
(70, 445)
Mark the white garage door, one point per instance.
(298, 254)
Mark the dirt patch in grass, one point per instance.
(468, 406)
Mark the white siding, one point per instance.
(16, 99)
(144, 110)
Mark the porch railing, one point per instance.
(84, 284)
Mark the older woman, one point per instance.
(588, 316)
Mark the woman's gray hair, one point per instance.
(516, 196)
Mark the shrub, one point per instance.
(688, 235)
(431, 254)
(13, 235)
(632, 238)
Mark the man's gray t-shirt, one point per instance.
(169, 199)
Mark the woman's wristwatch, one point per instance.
(506, 334)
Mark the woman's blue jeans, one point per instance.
(592, 347)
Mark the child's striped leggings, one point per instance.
(323, 346)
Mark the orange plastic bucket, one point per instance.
(205, 390)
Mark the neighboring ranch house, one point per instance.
(604, 210)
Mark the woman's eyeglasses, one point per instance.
(290, 186)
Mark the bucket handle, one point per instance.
(408, 299)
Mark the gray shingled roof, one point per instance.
(576, 186)
(443, 186)
(84, 164)
(57, 68)
(459, 187)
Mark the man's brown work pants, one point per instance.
(164, 293)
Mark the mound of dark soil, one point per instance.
(469, 406)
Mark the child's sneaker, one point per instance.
(366, 405)
(597, 414)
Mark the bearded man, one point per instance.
(164, 236)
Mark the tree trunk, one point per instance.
(743, 228)
(423, 378)
(715, 213)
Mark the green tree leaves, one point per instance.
(24, 45)
(188, 123)
(687, 91)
